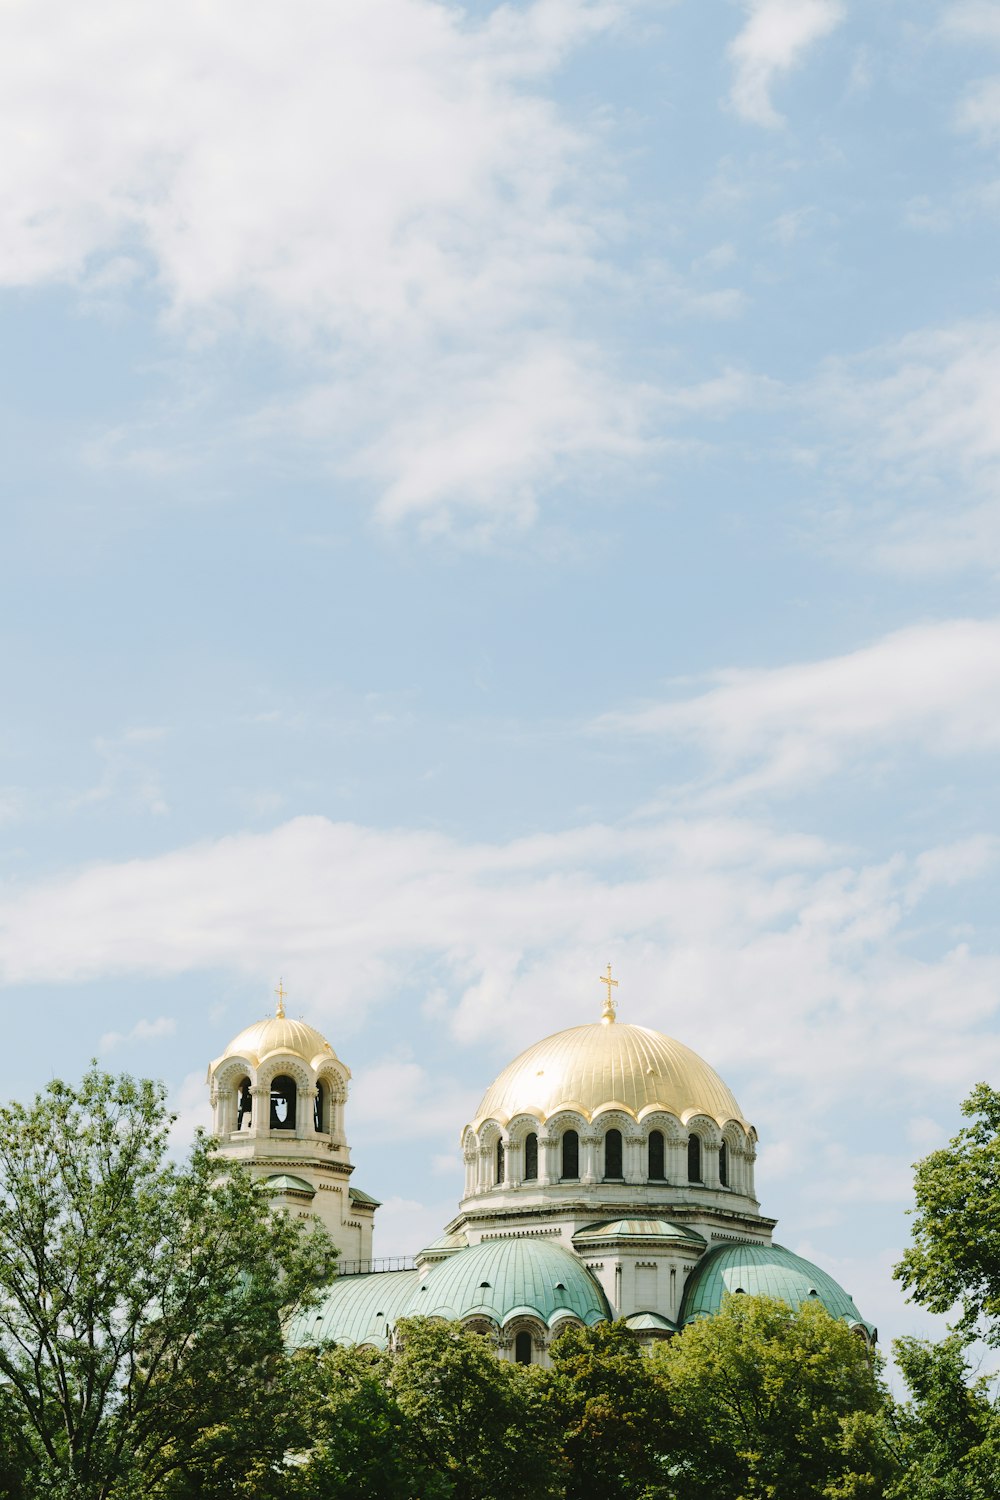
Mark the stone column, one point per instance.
(634, 1164)
(676, 1160)
(709, 1163)
(512, 1155)
(547, 1146)
(260, 1109)
(470, 1159)
(589, 1144)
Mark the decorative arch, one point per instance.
(288, 1066)
(525, 1340)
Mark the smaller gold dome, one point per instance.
(593, 1068)
(278, 1034)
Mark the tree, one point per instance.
(615, 1415)
(354, 1442)
(955, 1256)
(141, 1303)
(769, 1402)
(949, 1433)
(480, 1425)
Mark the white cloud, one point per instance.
(934, 687)
(977, 20)
(385, 186)
(504, 432)
(915, 422)
(142, 1031)
(980, 110)
(767, 952)
(774, 40)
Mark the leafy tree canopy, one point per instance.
(949, 1433)
(955, 1256)
(614, 1413)
(772, 1404)
(141, 1304)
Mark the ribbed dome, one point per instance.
(765, 1271)
(502, 1279)
(592, 1067)
(278, 1034)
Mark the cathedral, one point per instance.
(609, 1173)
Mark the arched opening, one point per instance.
(570, 1155)
(656, 1160)
(530, 1157)
(321, 1116)
(724, 1164)
(694, 1158)
(613, 1156)
(522, 1349)
(244, 1105)
(283, 1103)
(499, 1155)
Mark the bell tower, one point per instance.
(278, 1096)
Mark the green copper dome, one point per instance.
(765, 1271)
(357, 1310)
(507, 1278)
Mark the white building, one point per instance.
(609, 1173)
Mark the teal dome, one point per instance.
(357, 1310)
(506, 1278)
(765, 1271)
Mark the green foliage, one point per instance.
(354, 1442)
(770, 1404)
(480, 1424)
(141, 1303)
(955, 1257)
(949, 1433)
(615, 1414)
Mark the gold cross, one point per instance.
(609, 1004)
(281, 992)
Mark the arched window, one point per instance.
(499, 1176)
(522, 1348)
(656, 1171)
(571, 1154)
(724, 1164)
(694, 1158)
(530, 1157)
(613, 1156)
(244, 1105)
(319, 1108)
(283, 1103)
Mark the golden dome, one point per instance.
(593, 1068)
(278, 1034)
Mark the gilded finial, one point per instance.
(281, 992)
(608, 1013)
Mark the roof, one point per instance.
(283, 1182)
(650, 1322)
(357, 1310)
(637, 1229)
(502, 1279)
(278, 1034)
(357, 1196)
(608, 1066)
(764, 1271)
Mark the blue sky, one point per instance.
(494, 489)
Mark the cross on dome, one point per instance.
(609, 1004)
(281, 992)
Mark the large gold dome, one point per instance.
(593, 1068)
